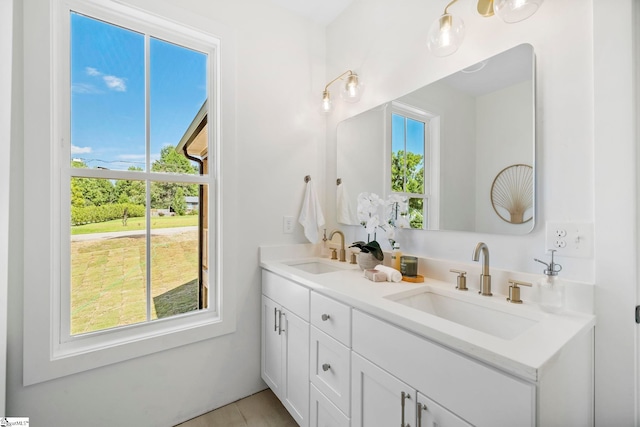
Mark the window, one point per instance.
(136, 246)
(412, 162)
(132, 255)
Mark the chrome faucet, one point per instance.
(343, 253)
(485, 277)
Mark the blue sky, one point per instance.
(108, 93)
(414, 134)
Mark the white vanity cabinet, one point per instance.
(285, 343)
(349, 361)
(330, 362)
(466, 391)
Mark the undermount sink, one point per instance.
(316, 267)
(479, 317)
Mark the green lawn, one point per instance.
(108, 277)
(136, 224)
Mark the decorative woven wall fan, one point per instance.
(512, 194)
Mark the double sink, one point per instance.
(493, 317)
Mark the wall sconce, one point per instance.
(351, 91)
(446, 34)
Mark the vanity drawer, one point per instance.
(473, 391)
(330, 368)
(289, 294)
(331, 317)
(323, 413)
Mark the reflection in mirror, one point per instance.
(443, 145)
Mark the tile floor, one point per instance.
(262, 409)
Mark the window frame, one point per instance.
(49, 352)
(431, 196)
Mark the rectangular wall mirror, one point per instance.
(460, 149)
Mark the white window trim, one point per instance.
(46, 354)
(432, 150)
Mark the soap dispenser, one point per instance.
(395, 256)
(551, 291)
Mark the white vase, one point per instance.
(367, 261)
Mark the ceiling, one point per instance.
(320, 11)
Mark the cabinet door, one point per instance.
(271, 346)
(430, 414)
(376, 397)
(323, 413)
(295, 332)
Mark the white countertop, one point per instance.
(526, 356)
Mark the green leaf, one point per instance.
(372, 247)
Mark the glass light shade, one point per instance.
(326, 105)
(445, 35)
(352, 89)
(511, 11)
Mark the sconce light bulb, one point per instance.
(326, 102)
(352, 90)
(511, 11)
(445, 35)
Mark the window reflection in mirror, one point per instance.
(477, 122)
(408, 147)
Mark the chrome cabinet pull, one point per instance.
(421, 407)
(326, 367)
(279, 322)
(404, 396)
(280, 328)
(275, 319)
(325, 317)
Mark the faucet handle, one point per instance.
(514, 290)
(462, 279)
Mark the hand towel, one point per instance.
(393, 275)
(311, 216)
(343, 205)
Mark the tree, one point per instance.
(77, 197)
(407, 176)
(163, 194)
(172, 161)
(90, 191)
(179, 203)
(131, 191)
(407, 172)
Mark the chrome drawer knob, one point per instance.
(325, 317)
(326, 367)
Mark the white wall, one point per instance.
(6, 40)
(616, 195)
(585, 148)
(280, 139)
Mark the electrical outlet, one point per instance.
(560, 232)
(573, 239)
(288, 224)
(560, 243)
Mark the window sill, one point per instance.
(90, 352)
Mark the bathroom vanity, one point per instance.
(340, 350)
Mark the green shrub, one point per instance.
(108, 212)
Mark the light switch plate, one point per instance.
(287, 224)
(572, 239)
